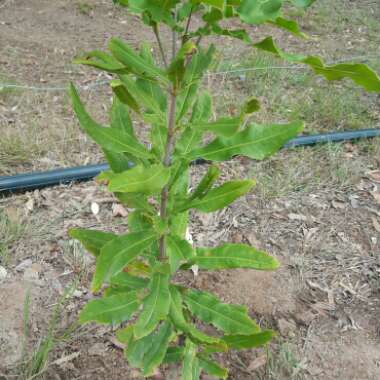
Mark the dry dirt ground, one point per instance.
(316, 209)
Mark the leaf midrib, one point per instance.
(227, 148)
(224, 316)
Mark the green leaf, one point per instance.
(212, 368)
(214, 3)
(112, 310)
(202, 109)
(256, 142)
(250, 106)
(92, 240)
(125, 334)
(225, 127)
(303, 3)
(124, 95)
(178, 224)
(154, 92)
(125, 280)
(180, 323)
(149, 352)
(179, 251)
(156, 306)
(229, 256)
(116, 254)
(232, 319)
(240, 34)
(138, 220)
(288, 25)
(157, 350)
(173, 354)
(135, 200)
(206, 183)
(147, 180)
(158, 137)
(134, 62)
(243, 342)
(219, 197)
(190, 366)
(178, 188)
(159, 11)
(259, 11)
(145, 98)
(361, 74)
(118, 162)
(194, 71)
(102, 61)
(176, 70)
(191, 137)
(111, 139)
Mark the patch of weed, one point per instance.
(84, 8)
(284, 364)
(10, 232)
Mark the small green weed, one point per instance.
(33, 365)
(84, 8)
(10, 232)
(284, 364)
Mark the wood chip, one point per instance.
(257, 363)
(376, 224)
(119, 210)
(66, 359)
(298, 217)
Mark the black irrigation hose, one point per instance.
(31, 181)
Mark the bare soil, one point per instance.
(325, 299)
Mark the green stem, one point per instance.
(159, 42)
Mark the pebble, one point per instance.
(287, 327)
(23, 265)
(3, 273)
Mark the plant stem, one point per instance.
(159, 42)
(167, 162)
(184, 37)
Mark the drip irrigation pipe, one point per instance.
(37, 180)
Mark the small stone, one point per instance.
(31, 274)
(286, 328)
(77, 293)
(95, 208)
(3, 273)
(297, 217)
(23, 265)
(97, 349)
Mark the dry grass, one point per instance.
(315, 168)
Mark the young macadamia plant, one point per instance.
(158, 319)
